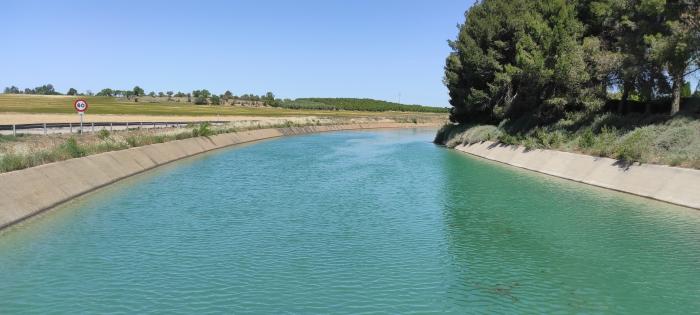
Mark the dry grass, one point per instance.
(674, 142)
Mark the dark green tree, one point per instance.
(228, 95)
(677, 45)
(12, 90)
(521, 57)
(138, 91)
(46, 89)
(107, 92)
(215, 100)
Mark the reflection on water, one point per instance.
(526, 241)
(352, 222)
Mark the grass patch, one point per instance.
(632, 138)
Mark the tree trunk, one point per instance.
(676, 95)
(604, 90)
(626, 87)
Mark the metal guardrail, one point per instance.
(91, 126)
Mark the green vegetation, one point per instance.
(67, 150)
(363, 104)
(109, 101)
(10, 138)
(46, 89)
(138, 91)
(203, 130)
(103, 134)
(594, 76)
(117, 106)
(204, 97)
(631, 138)
(544, 59)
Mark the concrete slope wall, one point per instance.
(27, 192)
(670, 184)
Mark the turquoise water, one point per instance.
(352, 222)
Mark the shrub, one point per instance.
(202, 130)
(106, 146)
(200, 101)
(676, 160)
(481, 134)
(541, 139)
(530, 143)
(675, 138)
(508, 139)
(586, 139)
(184, 135)
(103, 134)
(10, 162)
(73, 149)
(443, 133)
(131, 141)
(454, 135)
(605, 143)
(633, 145)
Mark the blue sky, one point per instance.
(304, 48)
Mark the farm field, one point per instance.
(99, 105)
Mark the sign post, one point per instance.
(81, 106)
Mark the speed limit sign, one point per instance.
(80, 105)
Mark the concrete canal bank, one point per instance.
(27, 192)
(670, 184)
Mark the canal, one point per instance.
(352, 222)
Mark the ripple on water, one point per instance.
(352, 222)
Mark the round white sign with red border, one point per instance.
(80, 105)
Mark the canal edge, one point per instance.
(674, 185)
(32, 191)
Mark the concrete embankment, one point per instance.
(27, 192)
(670, 184)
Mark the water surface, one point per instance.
(352, 222)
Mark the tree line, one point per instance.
(363, 104)
(547, 58)
(205, 97)
(199, 97)
(46, 89)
